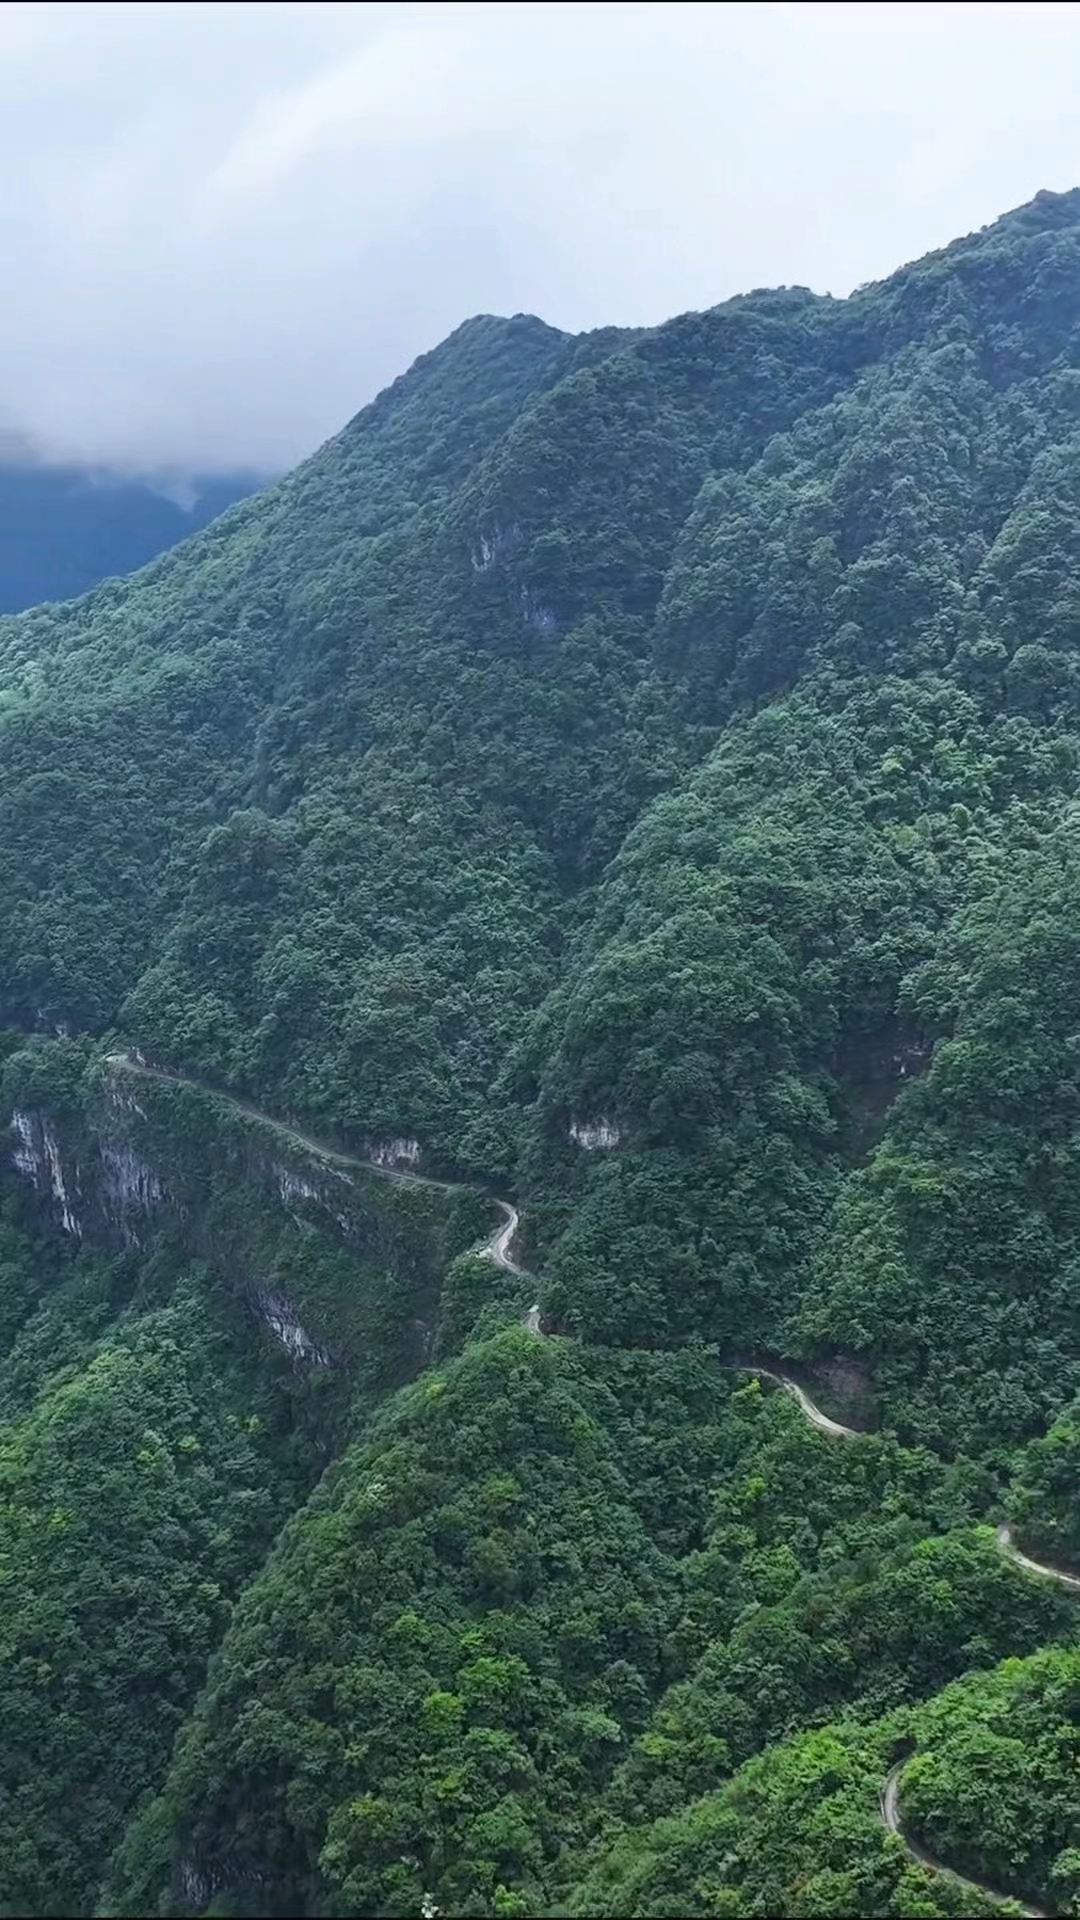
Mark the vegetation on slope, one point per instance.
(513, 1572)
(143, 1474)
(988, 1789)
(663, 739)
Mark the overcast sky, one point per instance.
(224, 227)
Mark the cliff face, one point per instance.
(38, 1155)
(337, 1264)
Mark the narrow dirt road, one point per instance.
(497, 1248)
(890, 1816)
(1042, 1568)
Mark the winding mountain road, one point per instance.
(1044, 1570)
(890, 1790)
(810, 1412)
(498, 1248)
(890, 1816)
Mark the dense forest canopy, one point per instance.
(636, 775)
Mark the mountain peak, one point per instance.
(635, 776)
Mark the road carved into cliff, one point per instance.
(1041, 1567)
(498, 1248)
(810, 1412)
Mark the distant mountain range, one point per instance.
(62, 529)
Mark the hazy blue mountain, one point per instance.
(62, 529)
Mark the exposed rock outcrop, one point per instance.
(37, 1156)
(596, 1136)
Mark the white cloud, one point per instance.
(224, 226)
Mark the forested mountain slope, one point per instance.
(637, 775)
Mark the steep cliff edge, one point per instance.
(341, 1265)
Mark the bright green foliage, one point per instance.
(1044, 1497)
(138, 1490)
(640, 774)
(663, 1571)
(987, 1786)
(795, 1833)
(440, 1662)
(993, 1784)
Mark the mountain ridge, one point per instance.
(638, 772)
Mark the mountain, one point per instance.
(65, 528)
(555, 920)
